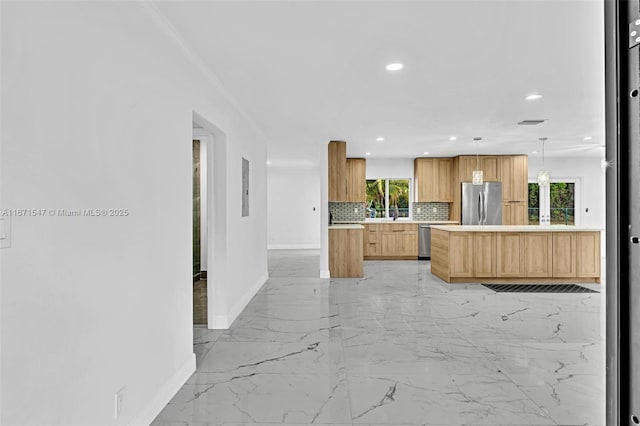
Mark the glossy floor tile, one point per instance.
(397, 347)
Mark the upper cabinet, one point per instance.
(488, 164)
(356, 180)
(347, 176)
(511, 170)
(433, 179)
(513, 173)
(337, 171)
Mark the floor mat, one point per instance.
(539, 288)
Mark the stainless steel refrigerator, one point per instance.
(482, 204)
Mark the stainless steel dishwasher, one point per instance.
(424, 242)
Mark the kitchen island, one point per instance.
(516, 254)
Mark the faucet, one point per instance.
(395, 213)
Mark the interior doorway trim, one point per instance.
(215, 141)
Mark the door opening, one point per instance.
(199, 233)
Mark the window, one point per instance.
(386, 196)
(561, 201)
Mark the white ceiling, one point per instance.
(309, 72)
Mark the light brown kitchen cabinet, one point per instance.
(372, 240)
(588, 252)
(391, 241)
(442, 182)
(484, 254)
(513, 173)
(345, 253)
(356, 180)
(423, 179)
(515, 213)
(538, 254)
(564, 254)
(461, 254)
(337, 171)
(510, 170)
(489, 167)
(509, 260)
(433, 179)
(466, 165)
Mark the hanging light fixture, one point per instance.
(476, 177)
(543, 175)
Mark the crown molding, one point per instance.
(196, 60)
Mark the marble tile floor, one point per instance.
(398, 347)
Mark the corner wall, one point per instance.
(293, 208)
(97, 103)
(591, 194)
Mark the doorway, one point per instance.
(199, 234)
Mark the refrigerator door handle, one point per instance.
(480, 208)
(484, 209)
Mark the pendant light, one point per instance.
(476, 177)
(543, 175)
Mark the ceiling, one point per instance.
(308, 72)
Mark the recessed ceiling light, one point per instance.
(534, 152)
(426, 153)
(587, 138)
(268, 162)
(452, 138)
(380, 139)
(533, 96)
(367, 153)
(394, 67)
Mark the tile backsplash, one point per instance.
(427, 211)
(344, 212)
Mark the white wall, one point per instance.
(591, 192)
(293, 208)
(97, 102)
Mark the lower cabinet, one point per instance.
(461, 254)
(484, 254)
(513, 256)
(391, 240)
(538, 255)
(509, 255)
(345, 253)
(564, 254)
(576, 254)
(588, 253)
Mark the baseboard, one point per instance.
(293, 246)
(238, 307)
(325, 273)
(166, 392)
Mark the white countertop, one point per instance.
(346, 226)
(399, 221)
(514, 228)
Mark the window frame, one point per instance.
(577, 195)
(386, 197)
